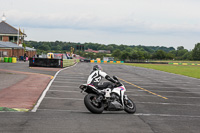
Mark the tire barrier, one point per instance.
(185, 64)
(105, 62)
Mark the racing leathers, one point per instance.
(96, 76)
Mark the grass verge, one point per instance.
(6, 109)
(190, 71)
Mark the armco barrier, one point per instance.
(106, 62)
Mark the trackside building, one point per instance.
(11, 40)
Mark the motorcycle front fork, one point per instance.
(126, 97)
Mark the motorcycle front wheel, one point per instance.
(92, 105)
(129, 106)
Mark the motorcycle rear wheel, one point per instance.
(92, 105)
(129, 106)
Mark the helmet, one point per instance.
(97, 67)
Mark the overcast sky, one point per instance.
(169, 23)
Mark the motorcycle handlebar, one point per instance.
(117, 84)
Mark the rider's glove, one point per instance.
(110, 79)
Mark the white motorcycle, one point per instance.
(96, 101)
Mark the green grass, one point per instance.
(190, 71)
(6, 109)
(69, 62)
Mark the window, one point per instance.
(15, 38)
(12, 38)
(3, 53)
(1, 38)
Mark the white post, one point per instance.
(18, 38)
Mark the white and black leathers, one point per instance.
(96, 76)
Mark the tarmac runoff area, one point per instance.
(21, 86)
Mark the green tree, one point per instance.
(170, 56)
(140, 55)
(128, 49)
(187, 56)
(181, 52)
(134, 55)
(124, 55)
(58, 47)
(180, 48)
(116, 53)
(160, 54)
(90, 55)
(44, 47)
(196, 52)
(109, 48)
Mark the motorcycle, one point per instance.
(96, 101)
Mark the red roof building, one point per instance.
(91, 51)
(11, 40)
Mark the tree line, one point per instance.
(120, 52)
(179, 54)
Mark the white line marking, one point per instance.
(168, 103)
(47, 88)
(137, 114)
(78, 99)
(166, 115)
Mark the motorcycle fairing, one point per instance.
(120, 91)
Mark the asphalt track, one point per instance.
(165, 103)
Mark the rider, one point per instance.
(96, 76)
